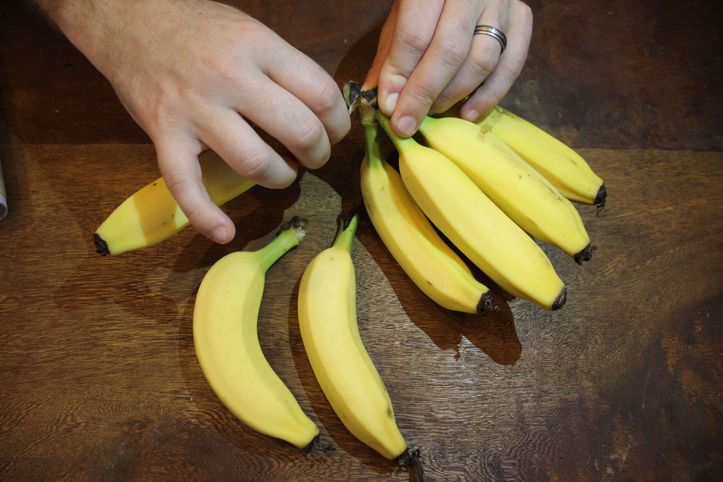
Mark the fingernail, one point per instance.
(219, 234)
(471, 115)
(390, 102)
(406, 126)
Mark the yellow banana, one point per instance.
(518, 189)
(151, 214)
(474, 224)
(225, 334)
(562, 166)
(341, 364)
(410, 237)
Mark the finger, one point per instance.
(483, 57)
(280, 114)
(449, 48)
(178, 162)
(385, 41)
(509, 67)
(416, 21)
(313, 86)
(232, 138)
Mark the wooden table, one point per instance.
(98, 376)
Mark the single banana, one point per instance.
(151, 214)
(474, 224)
(410, 237)
(518, 189)
(341, 364)
(562, 166)
(225, 334)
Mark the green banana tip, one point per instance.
(101, 247)
(297, 224)
(348, 223)
(346, 219)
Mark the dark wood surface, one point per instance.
(98, 377)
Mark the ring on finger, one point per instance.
(493, 32)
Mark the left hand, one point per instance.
(429, 58)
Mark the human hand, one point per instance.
(429, 58)
(198, 73)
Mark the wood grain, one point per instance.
(98, 376)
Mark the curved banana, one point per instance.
(227, 346)
(562, 166)
(518, 189)
(474, 224)
(151, 214)
(410, 237)
(346, 374)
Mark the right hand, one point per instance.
(429, 58)
(196, 74)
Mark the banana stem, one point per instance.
(371, 135)
(347, 230)
(289, 237)
(398, 142)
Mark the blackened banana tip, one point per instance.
(560, 300)
(101, 247)
(413, 462)
(585, 254)
(312, 444)
(602, 195)
(486, 304)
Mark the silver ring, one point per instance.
(493, 32)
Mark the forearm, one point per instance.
(99, 27)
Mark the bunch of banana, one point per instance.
(562, 166)
(225, 334)
(410, 237)
(475, 224)
(511, 183)
(151, 214)
(341, 364)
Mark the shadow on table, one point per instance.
(212, 413)
(493, 333)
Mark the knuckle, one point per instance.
(512, 69)
(177, 179)
(174, 179)
(483, 65)
(443, 103)
(193, 213)
(309, 134)
(253, 164)
(413, 41)
(525, 11)
(452, 55)
(328, 97)
(485, 102)
(423, 96)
